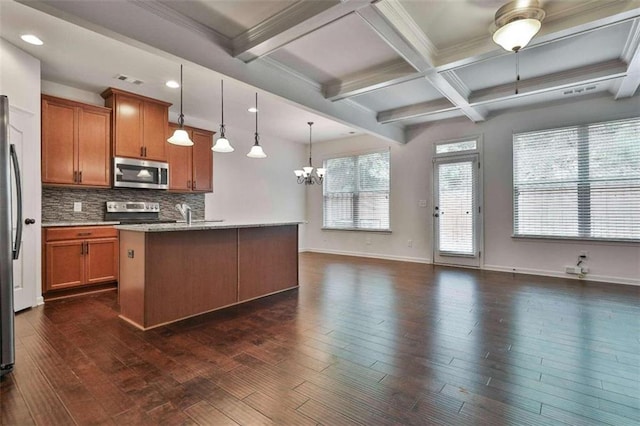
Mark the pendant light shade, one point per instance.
(180, 136)
(256, 149)
(222, 144)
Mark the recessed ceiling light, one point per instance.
(31, 39)
(173, 84)
(253, 109)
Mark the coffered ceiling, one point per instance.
(382, 66)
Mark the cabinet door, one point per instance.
(94, 159)
(58, 141)
(65, 264)
(128, 126)
(202, 161)
(179, 165)
(155, 142)
(102, 260)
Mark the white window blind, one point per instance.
(457, 204)
(578, 182)
(356, 192)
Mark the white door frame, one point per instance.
(472, 261)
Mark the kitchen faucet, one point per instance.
(185, 211)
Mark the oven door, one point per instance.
(132, 173)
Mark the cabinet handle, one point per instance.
(188, 184)
(84, 234)
(87, 251)
(141, 151)
(75, 177)
(145, 151)
(80, 176)
(82, 249)
(193, 185)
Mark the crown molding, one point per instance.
(291, 72)
(290, 24)
(417, 110)
(166, 12)
(457, 83)
(378, 77)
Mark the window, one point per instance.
(578, 182)
(356, 192)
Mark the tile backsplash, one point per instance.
(57, 203)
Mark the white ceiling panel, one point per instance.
(399, 95)
(340, 49)
(575, 52)
(229, 17)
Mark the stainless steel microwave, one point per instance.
(133, 173)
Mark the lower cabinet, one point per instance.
(79, 256)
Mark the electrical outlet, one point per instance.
(130, 253)
(574, 270)
(77, 206)
(409, 243)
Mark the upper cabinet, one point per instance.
(139, 125)
(76, 141)
(191, 167)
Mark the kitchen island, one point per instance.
(170, 272)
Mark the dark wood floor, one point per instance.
(361, 342)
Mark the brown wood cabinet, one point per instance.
(79, 256)
(76, 143)
(139, 125)
(191, 167)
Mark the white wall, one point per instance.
(67, 92)
(411, 180)
(257, 189)
(20, 81)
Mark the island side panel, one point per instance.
(131, 282)
(188, 273)
(267, 259)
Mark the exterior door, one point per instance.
(22, 133)
(457, 211)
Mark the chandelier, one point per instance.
(306, 175)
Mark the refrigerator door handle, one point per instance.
(16, 167)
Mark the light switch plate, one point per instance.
(422, 203)
(77, 206)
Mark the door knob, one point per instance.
(29, 221)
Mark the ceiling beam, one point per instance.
(417, 110)
(379, 77)
(129, 23)
(297, 20)
(631, 55)
(582, 76)
(396, 26)
(578, 77)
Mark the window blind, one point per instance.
(356, 192)
(578, 182)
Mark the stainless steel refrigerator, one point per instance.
(9, 243)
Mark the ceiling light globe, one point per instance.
(298, 173)
(307, 170)
(181, 138)
(32, 39)
(515, 35)
(320, 171)
(256, 152)
(222, 145)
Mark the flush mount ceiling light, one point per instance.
(516, 23)
(172, 84)
(253, 109)
(222, 144)
(256, 149)
(306, 175)
(180, 136)
(32, 39)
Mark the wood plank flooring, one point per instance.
(362, 341)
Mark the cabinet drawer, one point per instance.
(80, 232)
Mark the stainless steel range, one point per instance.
(134, 212)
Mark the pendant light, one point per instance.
(306, 175)
(180, 136)
(222, 144)
(256, 149)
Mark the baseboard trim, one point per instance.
(497, 268)
(367, 255)
(547, 273)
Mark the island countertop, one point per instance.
(199, 226)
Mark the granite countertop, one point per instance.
(95, 223)
(198, 226)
